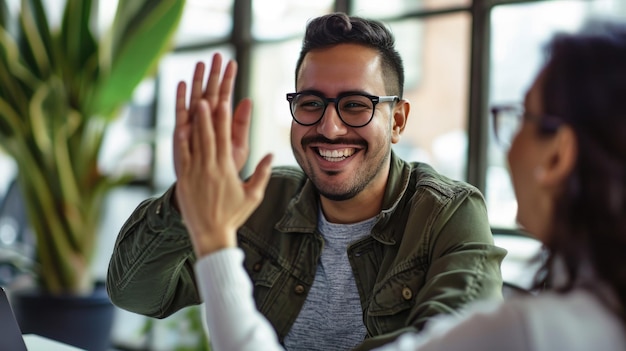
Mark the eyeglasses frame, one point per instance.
(373, 98)
(547, 123)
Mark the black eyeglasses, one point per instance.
(508, 120)
(354, 110)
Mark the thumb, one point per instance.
(256, 184)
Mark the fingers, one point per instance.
(213, 87)
(204, 137)
(219, 95)
(196, 87)
(213, 82)
(256, 184)
(240, 132)
(222, 111)
(218, 98)
(222, 125)
(229, 134)
(228, 82)
(211, 147)
(181, 150)
(182, 117)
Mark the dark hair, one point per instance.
(585, 85)
(338, 28)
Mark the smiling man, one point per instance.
(347, 251)
(345, 150)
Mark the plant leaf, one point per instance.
(138, 52)
(10, 122)
(129, 13)
(58, 91)
(76, 43)
(76, 53)
(4, 14)
(16, 81)
(36, 40)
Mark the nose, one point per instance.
(331, 125)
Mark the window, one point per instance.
(369, 8)
(435, 50)
(444, 82)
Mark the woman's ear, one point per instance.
(400, 116)
(560, 158)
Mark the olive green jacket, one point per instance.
(431, 251)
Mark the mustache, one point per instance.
(323, 140)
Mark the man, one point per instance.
(352, 249)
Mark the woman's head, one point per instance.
(578, 149)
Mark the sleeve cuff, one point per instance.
(222, 279)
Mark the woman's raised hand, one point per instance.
(210, 149)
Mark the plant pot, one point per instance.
(81, 321)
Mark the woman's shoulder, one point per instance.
(576, 320)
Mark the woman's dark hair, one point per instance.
(339, 28)
(585, 85)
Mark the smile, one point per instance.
(336, 155)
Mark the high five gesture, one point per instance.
(210, 149)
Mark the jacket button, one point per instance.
(407, 294)
(299, 289)
(257, 267)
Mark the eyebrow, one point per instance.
(341, 93)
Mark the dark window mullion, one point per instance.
(478, 133)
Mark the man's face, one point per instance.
(342, 161)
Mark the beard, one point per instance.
(341, 190)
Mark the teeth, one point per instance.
(336, 155)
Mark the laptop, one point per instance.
(11, 338)
(10, 333)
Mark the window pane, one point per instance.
(127, 146)
(516, 55)
(436, 60)
(276, 19)
(382, 9)
(204, 21)
(519, 265)
(273, 75)
(9, 171)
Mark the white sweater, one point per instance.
(577, 321)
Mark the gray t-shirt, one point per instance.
(332, 318)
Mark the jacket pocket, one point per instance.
(263, 271)
(392, 301)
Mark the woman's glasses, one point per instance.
(508, 120)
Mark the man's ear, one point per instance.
(400, 117)
(560, 158)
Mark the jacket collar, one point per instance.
(301, 214)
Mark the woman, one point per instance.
(568, 168)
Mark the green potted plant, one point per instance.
(59, 90)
